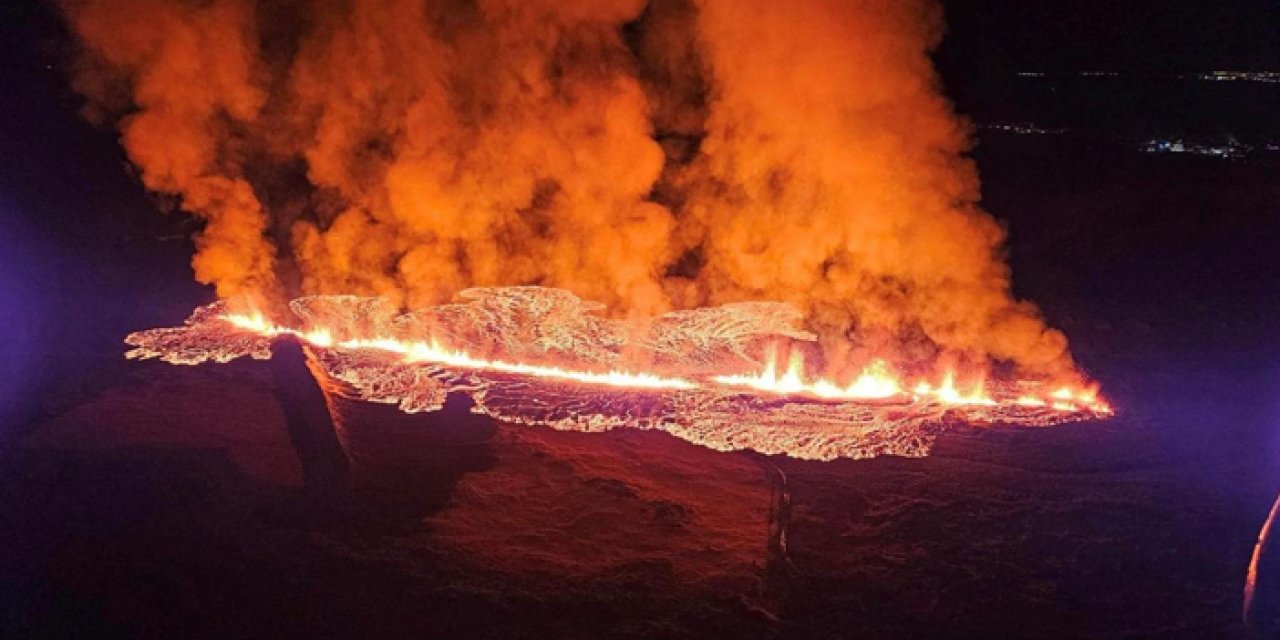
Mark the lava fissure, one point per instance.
(701, 382)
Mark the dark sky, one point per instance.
(1121, 35)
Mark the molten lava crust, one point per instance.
(540, 356)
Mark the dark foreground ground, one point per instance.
(139, 500)
(149, 501)
(171, 505)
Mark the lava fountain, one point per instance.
(539, 356)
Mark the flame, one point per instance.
(876, 381)
(419, 351)
(948, 393)
(253, 322)
(319, 337)
(434, 353)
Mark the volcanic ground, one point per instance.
(171, 504)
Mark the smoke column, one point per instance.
(657, 155)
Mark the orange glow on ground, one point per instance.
(877, 381)
(422, 351)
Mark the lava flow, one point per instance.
(421, 351)
(555, 363)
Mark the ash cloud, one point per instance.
(649, 155)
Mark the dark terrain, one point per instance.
(141, 500)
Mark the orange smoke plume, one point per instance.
(657, 155)
(189, 70)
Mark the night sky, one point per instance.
(1153, 36)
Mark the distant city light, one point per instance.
(1272, 77)
(1230, 149)
(1027, 128)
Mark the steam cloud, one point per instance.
(657, 155)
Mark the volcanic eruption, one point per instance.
(558, 364)
(748, 224)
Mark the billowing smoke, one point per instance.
(185, 78)
(655, 155)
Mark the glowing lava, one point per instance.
(556, 363)
(876, 382)
(423, 351)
